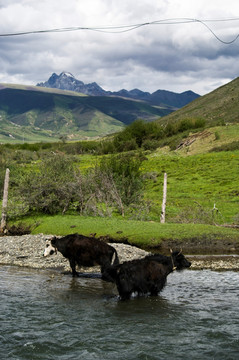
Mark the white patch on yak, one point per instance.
(49, 249)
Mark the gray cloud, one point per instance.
(174, 57)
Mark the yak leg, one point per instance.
(156, 288)
(73, 267)
(154, 291)
(125, 295)
(124, 291)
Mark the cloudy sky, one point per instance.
(175, 55)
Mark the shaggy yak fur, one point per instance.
(147, 275)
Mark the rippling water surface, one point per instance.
(45, 315)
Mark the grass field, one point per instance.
(144, 234)
(195, 184)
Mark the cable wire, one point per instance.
(126, 28)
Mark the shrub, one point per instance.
(106, 147)
(217, 135)
(18, 230)
(199, 123)
(170, 130)
(199, 215)
(137, 134)
(119, 180)
(48, 189)
(149, 144)
(227, 147)
(55, 186)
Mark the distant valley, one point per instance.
(33, 114)
(66, 108)
(44, 114)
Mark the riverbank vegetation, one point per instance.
(149, 235)
(85, 185)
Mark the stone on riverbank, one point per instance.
(27, 250)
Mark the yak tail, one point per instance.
(116, 259)
(109, 273)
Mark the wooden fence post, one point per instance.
(162, 220)
(4, 202)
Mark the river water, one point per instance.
(48, 315)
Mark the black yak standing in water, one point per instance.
(147, 275)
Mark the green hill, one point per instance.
(218, 107)
(202, 171)
(31, 114)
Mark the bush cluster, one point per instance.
(227, 147)
(148, 136)
(57, 186)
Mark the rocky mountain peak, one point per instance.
(67, 81)
(66, 74)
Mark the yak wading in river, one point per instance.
(83, 251)
(147, 275)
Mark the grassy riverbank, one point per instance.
(197, 238)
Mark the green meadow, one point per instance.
(144, 234)
(195, 184)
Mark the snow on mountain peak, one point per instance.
(67, 73)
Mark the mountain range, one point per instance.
(64, 107)
(37, 113)
(172, 100)
(33, 113)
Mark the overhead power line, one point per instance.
(126, 28)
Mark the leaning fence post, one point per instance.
(162, 220)
(4, 202)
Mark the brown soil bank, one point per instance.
(200, 247)
(215, 254)
(204, 254)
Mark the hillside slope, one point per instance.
(40, 114)
(219, 106)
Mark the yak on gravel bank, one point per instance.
(83, 251)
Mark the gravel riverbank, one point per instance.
(27, 251)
